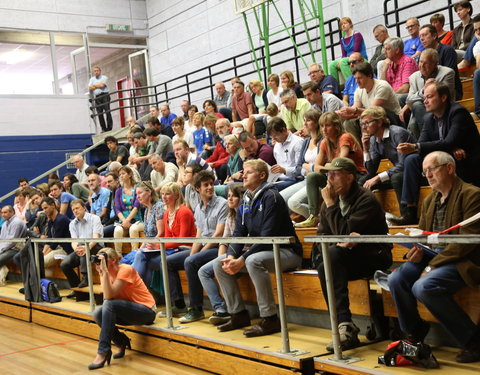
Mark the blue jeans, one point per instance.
(192, 265)
(206, 274)
(175, 262)
(412, 178)
(145, 263)
(119, 311)
(476, 90)
(435, 290)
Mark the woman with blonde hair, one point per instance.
(259, 95)
(127, 301)
(273, 95)
(335, 143)
(178, 221)
(127, 208)
(350, 42)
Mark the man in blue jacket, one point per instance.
(262, 213)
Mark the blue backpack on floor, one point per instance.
(50, 291)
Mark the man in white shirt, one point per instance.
(162, 172)
(81, 166)
(286, 151)
(84, 225)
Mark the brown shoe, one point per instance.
(238, 320)
(266, 326)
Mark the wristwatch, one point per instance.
(427, 269)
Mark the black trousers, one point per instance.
(72, 261)
(102, 102)
(352, 264)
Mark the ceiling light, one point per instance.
(15, 56)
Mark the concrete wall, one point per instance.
(73, 15)
(186, 35)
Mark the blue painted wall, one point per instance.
(30, 156)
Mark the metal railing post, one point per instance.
(166, 286)
(337, 349)
(89, 276)
(281, 299)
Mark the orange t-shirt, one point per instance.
(355, 153)
(135, 289)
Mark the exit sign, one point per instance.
(116, 27)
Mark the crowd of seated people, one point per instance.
(314, 162)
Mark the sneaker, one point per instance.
(312, 221)
(218, 318)
(348, 336)
(381, 278)
(192, 315)
(468, 355)
(176, 311)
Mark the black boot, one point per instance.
(409, 217)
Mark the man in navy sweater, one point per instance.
(262, 213)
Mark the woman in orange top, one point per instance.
(127, 301)
(178, 221)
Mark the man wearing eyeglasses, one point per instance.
(380, 33)
(327, 83)
(447, 127)
(380, 141)
(434, 279)
(413, 47)
(351, 84)
(349, 209)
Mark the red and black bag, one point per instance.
(406, 353)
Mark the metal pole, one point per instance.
(305, 26)
(252, 47)
(37, 261)
(89, 276)
(321, 26)
(337, 349)
(166, 286)
(281, 299)
(266, 37)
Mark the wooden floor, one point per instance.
(27, 348)
(32, 348)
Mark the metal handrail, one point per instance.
(182, 85)
(326, 240)
(58, 166)
(275, 241)
(397, 9)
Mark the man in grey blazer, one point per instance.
(429, 70)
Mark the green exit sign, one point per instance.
(116, 27)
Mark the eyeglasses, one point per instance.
(432, 169)
(350, 62)
(313, 72)
(408, 27)
(366, 123)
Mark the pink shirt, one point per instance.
(398, 73)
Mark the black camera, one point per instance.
(94, 259)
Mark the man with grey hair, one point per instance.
(327, 83)
(293, 109)
(81, 166)
(321, 101)
(380, 33)
(413, 47)
(184, 106)
(429, 70)
(397, 67)
(434, 277)
(162, 172)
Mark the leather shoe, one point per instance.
(83, 283)
(421, 331)
(71, 295)
(238, 320)
(409, 217)
(266, 326)
(468, 355)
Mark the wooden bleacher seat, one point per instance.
(468, 104)
(467, 86)
(468, 72)
(389, 201)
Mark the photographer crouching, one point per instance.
(127, 301)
